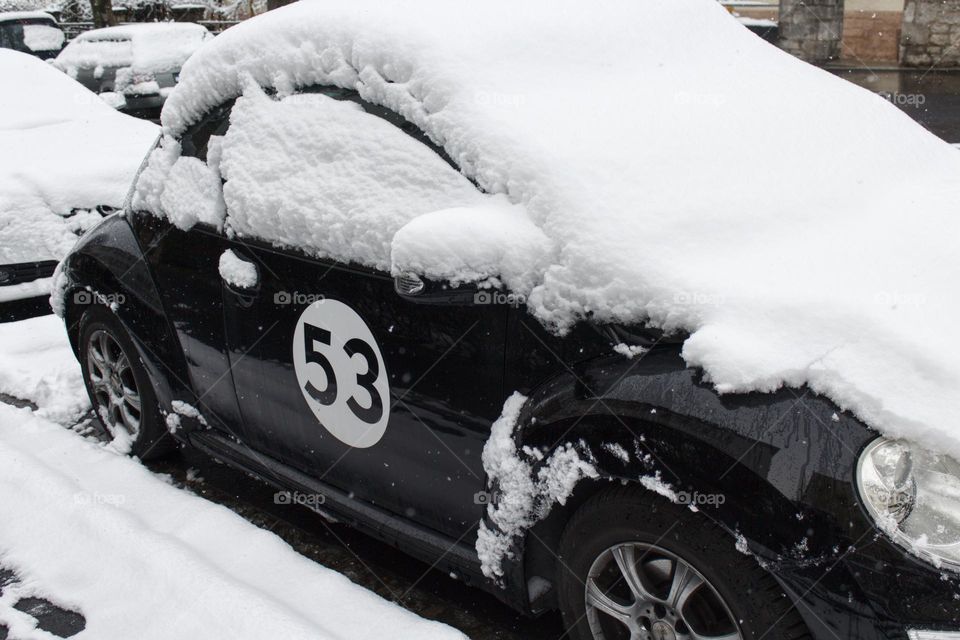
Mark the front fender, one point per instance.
(774, 470)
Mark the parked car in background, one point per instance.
(65, 154)
(33, 32)
(133, 66)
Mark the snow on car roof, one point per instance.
(25, 15)
(63, 149)
(685, 172)
(146, 47)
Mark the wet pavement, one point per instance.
(388, 572)
(932, 98)
(45, 615)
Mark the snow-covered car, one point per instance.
(478, 279)
(132, 66)
(33, 32)
(63, 154)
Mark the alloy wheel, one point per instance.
(114, 386)
(637, 591)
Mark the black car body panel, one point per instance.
(776, 471)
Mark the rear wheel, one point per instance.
(635, 567)
(119, 387)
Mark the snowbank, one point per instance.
(813, 242)
(144, 48)
(143, 559)
(38, 366)
(64, 149)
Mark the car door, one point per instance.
(340, 377)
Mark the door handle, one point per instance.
(240, 277)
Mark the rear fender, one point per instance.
(106, 267)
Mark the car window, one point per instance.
(11, 36)
(320, 172)
(196, 139)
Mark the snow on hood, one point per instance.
(685, 172)
(145, 47)
(63, 149)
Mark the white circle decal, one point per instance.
(341, 373)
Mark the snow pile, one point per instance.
(143, 48)
(237, 271)
(527, 486)
(38, 366)
(186, 189)
(183, 567)
(64, 149)
(811, 243)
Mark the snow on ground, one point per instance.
(37, 365)
(144, 559)
(832, 262)
(64, 149)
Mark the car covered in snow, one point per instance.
(33, 32)
(66, 157)
(477, 279)
(132, 66)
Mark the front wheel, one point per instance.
(119, 388)
(635, 567)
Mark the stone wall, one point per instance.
(812, 29)
(871, 36)
(931, 33)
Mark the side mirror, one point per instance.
(412, 287)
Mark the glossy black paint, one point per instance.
(783, 462)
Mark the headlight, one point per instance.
(914, 496)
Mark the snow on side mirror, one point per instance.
(469, 255)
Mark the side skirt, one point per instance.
(439, 551)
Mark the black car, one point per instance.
(33, 32)
(644, 504)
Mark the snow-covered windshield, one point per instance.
(95, 52)
(627, 150)
(147, 48)
(42, 37)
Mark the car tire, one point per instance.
(727, 594)
(119, 388)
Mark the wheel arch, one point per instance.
(107, 268)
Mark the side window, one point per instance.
(181, 180)
(325, 173)
(196, 140)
